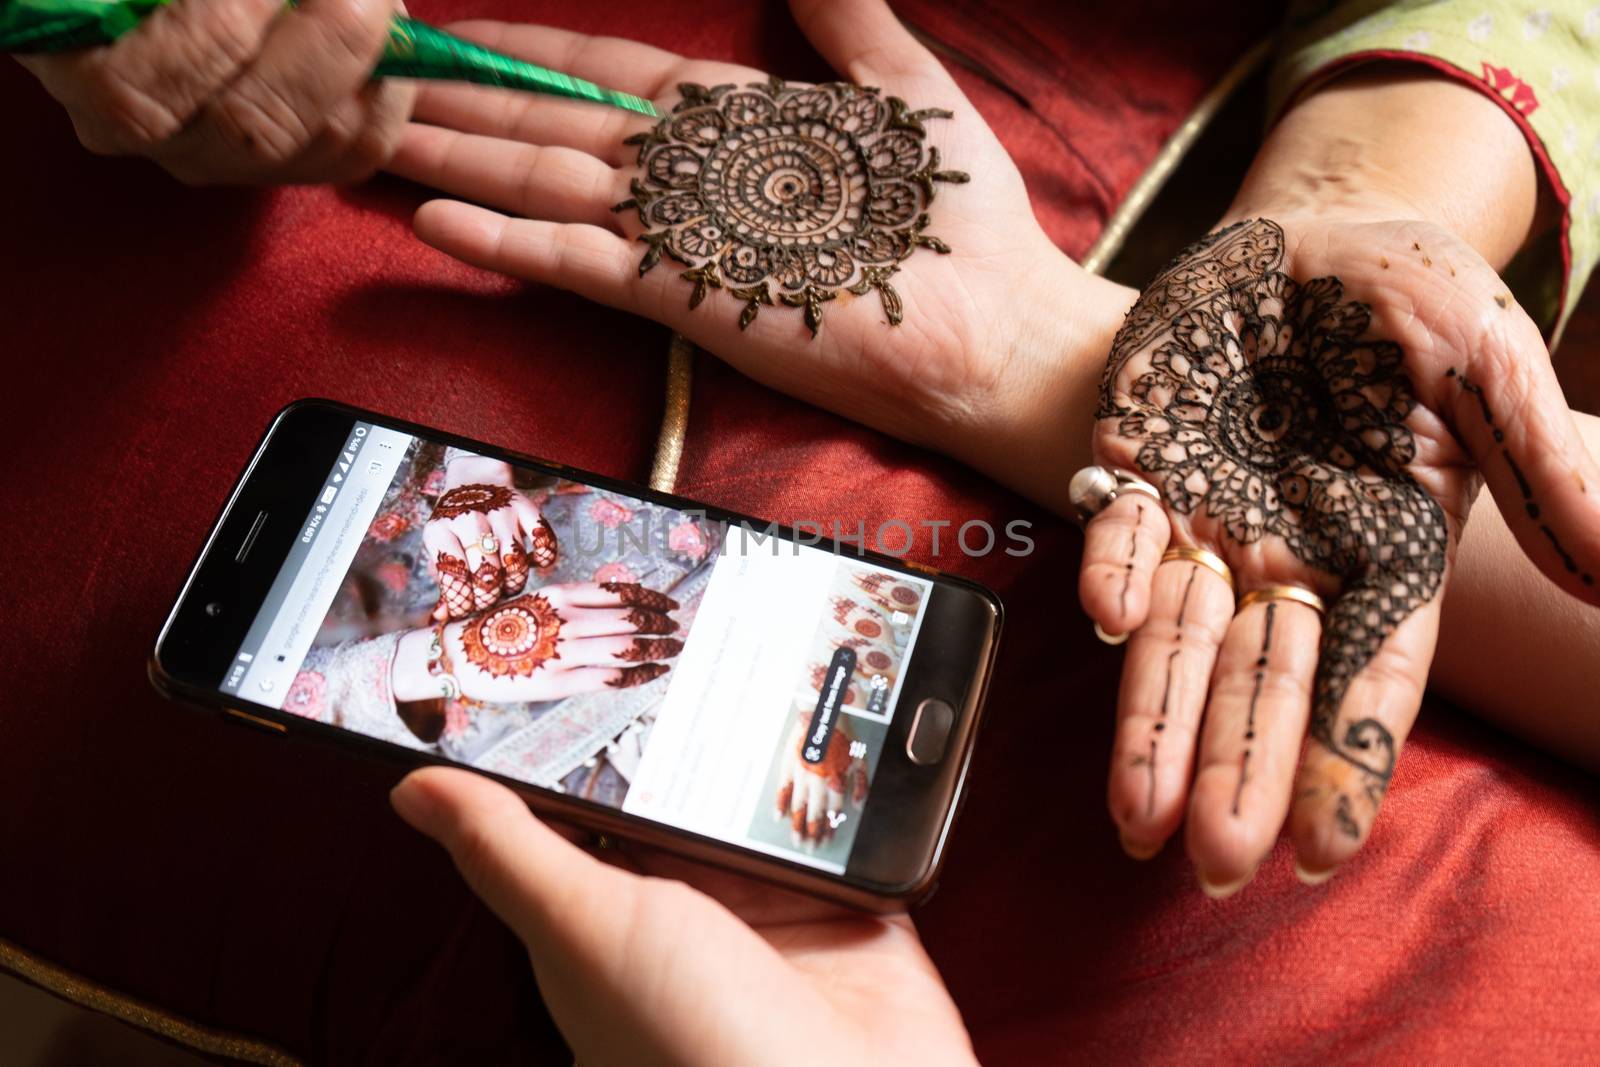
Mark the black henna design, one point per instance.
(634, 595)
(815, 188)
(1529, 504)
(1265, 406)
(1255, 695)
(1133, 551)
(1166, 689)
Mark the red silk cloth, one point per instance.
(263, 886)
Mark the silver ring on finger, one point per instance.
(489, 543)
(1093, 489)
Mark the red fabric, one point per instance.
(262, 885)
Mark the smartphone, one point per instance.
(746, 694)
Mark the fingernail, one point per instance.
(414, 805)
(1223, 891)
(1110, 639)
(1312, 877)
(1137, 850)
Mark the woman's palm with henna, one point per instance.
(825, 240)
(1314, 402)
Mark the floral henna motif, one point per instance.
(628, 677)
(455, 585)
(514, 640)
(515, 562)
(648, 648)
(544, 546)
(816, 189)
(650, 622)
(1266, 406)
(472, 497)
(634, 595)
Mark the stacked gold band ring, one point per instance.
(1209, 560)
(1283, 592)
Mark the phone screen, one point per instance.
(706, 675)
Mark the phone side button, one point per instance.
(256, 721)
(930, 732)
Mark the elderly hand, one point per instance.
(240, 91)
(788, 229)
(1316, 402)
(639, 967)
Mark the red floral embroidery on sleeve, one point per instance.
(1518, 93)
(614, 572)
(687, 537)
(609, 513)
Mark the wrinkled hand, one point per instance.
(715, 970)
(483, 534)
(768, 211)
(240, 91)
(1317, 403)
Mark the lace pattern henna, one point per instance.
(650, 622)
(628, 677)
(455, 585)
(544, 546)
(1267, 407)
(515, 562)
(634, 595)
(515, 639)
(644, 649)
(812, 189)
(471, 497)
(485, 585)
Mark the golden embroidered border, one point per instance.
(96, 997)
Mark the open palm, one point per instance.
(1315, 402)
(823, 240)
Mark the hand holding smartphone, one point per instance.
(626, 660)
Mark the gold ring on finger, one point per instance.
(1283, 592)
(1209, 560)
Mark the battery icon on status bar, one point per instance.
(329, 493)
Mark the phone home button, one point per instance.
(930, 732)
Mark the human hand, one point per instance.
(482, 534)
(996, 339)
(563, 640)
(239, 91)
(811, 792)
(638, 966)
(1316, 400)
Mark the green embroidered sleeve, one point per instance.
(1541, 62)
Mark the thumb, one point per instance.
(866, 43)
(549, 891)
(1508, 409)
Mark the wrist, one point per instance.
(476, 470)
(1031, 425)
(1393, 142)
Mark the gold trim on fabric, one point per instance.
(87, 994)
(675, 415)
(1133, 206)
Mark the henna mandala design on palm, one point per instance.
(473, 497)
(816, 188)
(515, 639)
(1267, 409)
